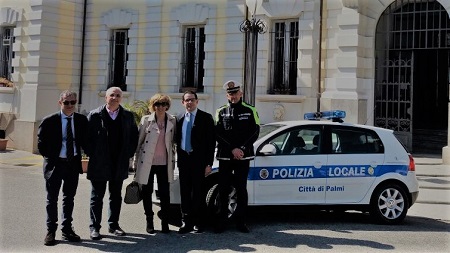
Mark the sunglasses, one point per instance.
(161, 104)
(72, 102)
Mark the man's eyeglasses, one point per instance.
(72, 102)
(161, 104)
(189, 100)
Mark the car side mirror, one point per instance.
(268, 149)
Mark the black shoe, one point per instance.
(150, 228)
(50, 238)
(95, 235)
(242, 228)
(185, 229)
(165, 227)
(199, 229)
(117, 231)
(70, 235)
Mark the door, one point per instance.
(295, 174)
(430, 106)
(355, 156)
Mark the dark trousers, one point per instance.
(233, 173)
(192, 175)
(63, 171)
(163, 191)
(115, 203)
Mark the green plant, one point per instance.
(139, 108)
(84, 156)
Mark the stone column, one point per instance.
(446, 149)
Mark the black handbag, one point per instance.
(132, 193)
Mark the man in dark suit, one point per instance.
(113, 137)
(195, 149)
(60, 139)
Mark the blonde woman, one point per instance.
(155, 156)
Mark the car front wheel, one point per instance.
(389, 204)
(213, 201)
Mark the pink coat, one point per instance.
(148, 137)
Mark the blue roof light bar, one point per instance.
(335, 115)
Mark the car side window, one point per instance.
(355, 141)
(279, 142)
(298, 141)
(295, 144)
(312, 137)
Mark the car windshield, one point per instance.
(266, 129)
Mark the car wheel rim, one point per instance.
(391, 203)
(232, 204)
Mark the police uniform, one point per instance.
(237, 126)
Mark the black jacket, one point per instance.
(50, 141)
(100, 163)
(237, 126)
(202, 137)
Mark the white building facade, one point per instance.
(384, 62)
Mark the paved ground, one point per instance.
(433, 176)
(21, 229)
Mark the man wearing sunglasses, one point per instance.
(61, 136)
(113, 137)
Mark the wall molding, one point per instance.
(8, 16)
(191, 13)
(283, 8)
(118, 18)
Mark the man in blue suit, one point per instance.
(61, 136)
(196, 142)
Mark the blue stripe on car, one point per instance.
(334, 171)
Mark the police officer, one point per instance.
(237, 128)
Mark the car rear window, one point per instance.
(355, 141)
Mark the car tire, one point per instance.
(213, 201)
(213, 204)
(389, 204)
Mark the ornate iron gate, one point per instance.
(393, 96)
(405, 30)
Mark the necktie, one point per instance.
(187, 137)
(69, 139)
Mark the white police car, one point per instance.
(327, 163)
